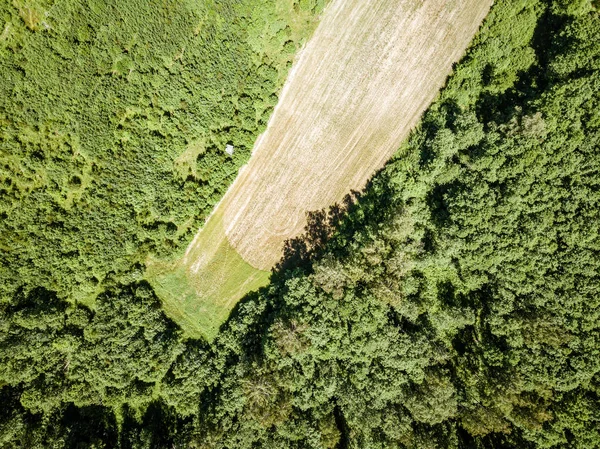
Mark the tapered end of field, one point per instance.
(199, 291)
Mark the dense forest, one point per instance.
(454, 304)
(115, 117)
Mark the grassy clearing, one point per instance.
(199, 291)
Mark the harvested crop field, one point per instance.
(353, 95)
(357, 89)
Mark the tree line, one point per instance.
(453, 304)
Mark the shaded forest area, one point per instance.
(456, 305)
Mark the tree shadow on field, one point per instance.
(326, 231)
(330, 230)
(320, 226)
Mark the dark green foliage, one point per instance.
(113, 356)
(456, 305)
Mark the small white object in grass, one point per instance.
(229, 149)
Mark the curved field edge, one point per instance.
(297, 166)
(195, 300)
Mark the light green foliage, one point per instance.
(114, 118)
